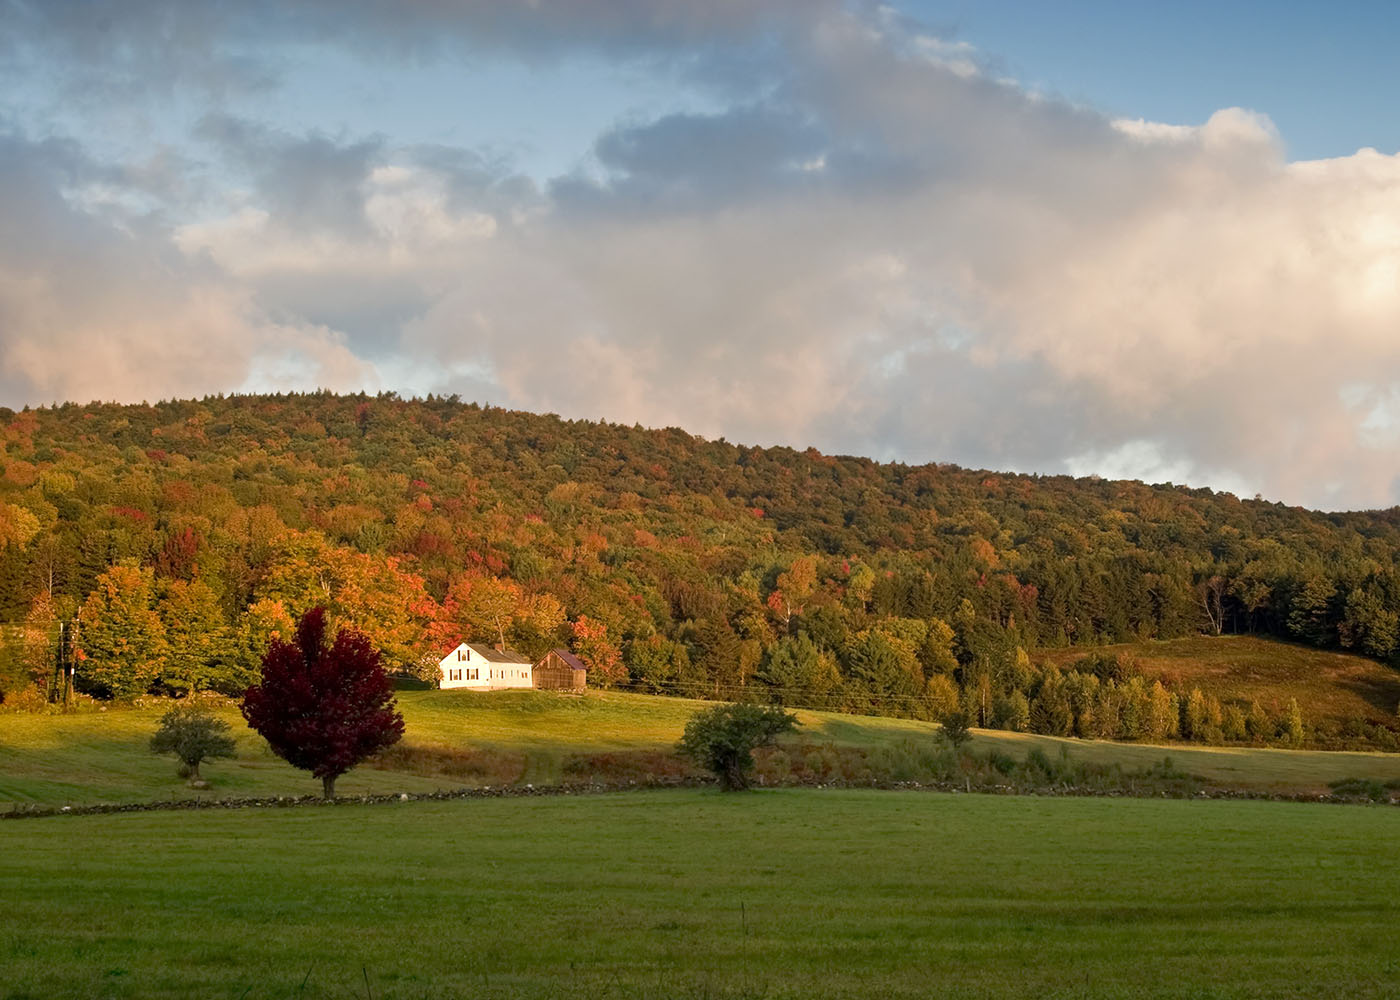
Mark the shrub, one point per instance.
(722, 739)
(1003, 763)
(1036, 760)
(1361, 788)
(193, 735)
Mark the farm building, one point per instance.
(561, 670)
(481, 668)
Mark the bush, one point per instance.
(193, 735)
(1366, 788)
(1036, 760)
(722, 739)
(1003, 763)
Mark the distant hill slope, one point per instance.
(1333, 688)
(171, 540)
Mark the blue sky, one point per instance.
(1158, 241)
(1324, 72)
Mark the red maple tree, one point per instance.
(323, 708)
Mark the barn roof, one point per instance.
(570, 659)
(492, 655)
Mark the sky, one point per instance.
(1158, 241)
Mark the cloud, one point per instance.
(161, 47)
(871, 243)
(95, 305)
(308, 181)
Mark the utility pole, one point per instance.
(59, 669)
(69, 658)
(62, 684)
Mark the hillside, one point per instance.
(461, 738)
(158, 547)
(1337, 689)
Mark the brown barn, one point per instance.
(560, 670)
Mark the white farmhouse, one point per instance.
(481, 668)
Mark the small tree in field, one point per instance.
(722, 739)
(957, 728)
(323, 708)
(193, 735)
(1293, 724)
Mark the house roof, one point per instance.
(493, 655)
(570, 659)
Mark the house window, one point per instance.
(461, 656)
(454, 675)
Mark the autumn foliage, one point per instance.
(175, 540)
(323, 708)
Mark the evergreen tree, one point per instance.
(797, 672)
(1308, 617)
(201, 649)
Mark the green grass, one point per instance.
(528, 737)
(93, 757)
(1332, 687)
(791, 893)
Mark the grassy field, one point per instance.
(457, 738)
(1330, 686)
(788, 893)
(508, 737)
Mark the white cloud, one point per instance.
(410, 221)
(883, 249)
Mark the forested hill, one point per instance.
(182, 534)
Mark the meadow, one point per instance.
(1333, 687)
(690, 893)
(460, 738)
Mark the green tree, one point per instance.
(888, 668)
(655, 663)
(1257, 723)
(1367, 624)
(1050, 712)
(1308, 611)
(797, 672)
(1193, 716)
(936, 652)
(193, 735)
(956, 728)
(1293, 724)
(1012, 711)
(1163, 713)
(1233, 724)
(941, 696)
(201, 648)
(722, 739)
